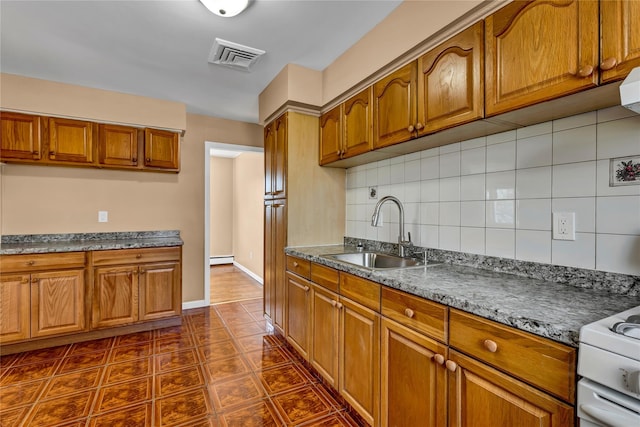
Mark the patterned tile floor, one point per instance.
(222, 367)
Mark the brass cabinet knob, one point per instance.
(295, 263)
(451, 365)
(410, 128)
(409, 313)
(439, 359)
(585, 71)
(419, 126)
(608, 64)
(306, 289)
(490, 345)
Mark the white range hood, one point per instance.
(630, 91)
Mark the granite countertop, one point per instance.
(548, 309)
(77, 242)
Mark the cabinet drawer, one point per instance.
(133, 256)
(425, 316)
(325, 276)
(299, 266)
(35, 262)
(360, 290)
(539, 361)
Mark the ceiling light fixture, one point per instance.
(225, 8)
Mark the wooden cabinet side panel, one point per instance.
(15, 308)
(357, 119)
(20, 137)
(536, 50)
(620, 38)
(57, 302)
(159, 291)
(482, 396)
(330, 136)
(71, 140)
(115, 296)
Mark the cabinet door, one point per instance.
(394, 109)
(269, 153)
(357, 128)
(268, 288)
(279, 170)
(118, 146)
(115, 296)
(620, 49)
(57, 303)
(20, 137)
(161, 149)
(275, 238)
(15, 308)
(330, 136)
(539, 50)
(325, 334)
(413, 383)
(298, 308)
(160, 290)
(451, 82)
(71, 140)
(359, 359)
(482, 396)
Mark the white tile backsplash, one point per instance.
(495, 195)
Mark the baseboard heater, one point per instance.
(217, 260)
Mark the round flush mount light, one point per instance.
(225, 8)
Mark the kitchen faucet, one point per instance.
(376, 217)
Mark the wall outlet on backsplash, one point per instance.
(564, 225)
(373, 192)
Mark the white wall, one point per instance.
(494, 195)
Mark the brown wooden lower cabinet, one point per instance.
(15, 308)
(298, 308)
(159, 290)
(115, 296)
(325, 333)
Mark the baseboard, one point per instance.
(195, 304)
(217, 260)
(253, 275)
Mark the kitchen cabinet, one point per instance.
(395, 107)
(298, 314)
(331, 135)
(133, 285)
(451, 82)
(71, 141)
(20, 136)
(275, 238)
(161, 149)
(325, 333)
(620, 39)
(539, 50)
(118, 145)
(42, 295)
(482, 396)
(275, 166)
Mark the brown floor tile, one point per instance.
(82, 361)
(123, 394)
(180, 408)
(210, 421)
(173, 331)
(282, 378)
(179, 381)
(302, 405)
(257, 342)
(34, 371)
(73, 382)
(13, 417)
(20, 394)
(238, 391)
(138, 415)
(127, 371)
(136, 351)
(211, 336)
(262, 414)
(221, 369)
(9, 359)
(218, 350)
(176, 360)
(333, 420)
(244, 329)
(257, 315)
(239, 319)
(137, 338)
(63, 409)
(165, 345)
(268, 358)
(44, 355)
(91, 346)
(253, 305)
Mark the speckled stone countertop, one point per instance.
(77, 242)
(552, 310)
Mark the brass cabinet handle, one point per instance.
(608, 64)
(439, 359)
(585, 71)
(134, 160)
(52, 153)
(419, 126)
(334, 303)
(410, 128)
(31, 262)
(295, 263)
(490, 345)
(409, 313)
(339, 305)
(306, 289)
(139, 256)
(338, 152)
(143, 271)
(148, 159)
(451, 365)
(35, 280)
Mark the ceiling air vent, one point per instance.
(234, 55)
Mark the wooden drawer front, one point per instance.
(325, 276)
(133, 256)
(425, 316)
(299, 266)
(539, 361)
(36, 262)
(360, 290)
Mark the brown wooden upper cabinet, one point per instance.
(394, 107)
(70, 140)
(347, 130)
(539, 50)
(451, 82)
(275, 159)
(21, 138)
(620, 38)
(118, 145)
(161, 149)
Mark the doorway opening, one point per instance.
(233, 240)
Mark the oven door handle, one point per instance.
(610, 419)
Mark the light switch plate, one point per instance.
(564, 226)
(103, 216)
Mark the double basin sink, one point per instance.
(378, 260)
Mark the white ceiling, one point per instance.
(160, 48)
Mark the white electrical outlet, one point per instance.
(103, 216)
(564, 226)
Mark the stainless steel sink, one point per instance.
(377, 260)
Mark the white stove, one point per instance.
(609, 362)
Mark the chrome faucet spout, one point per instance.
(376, 218)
